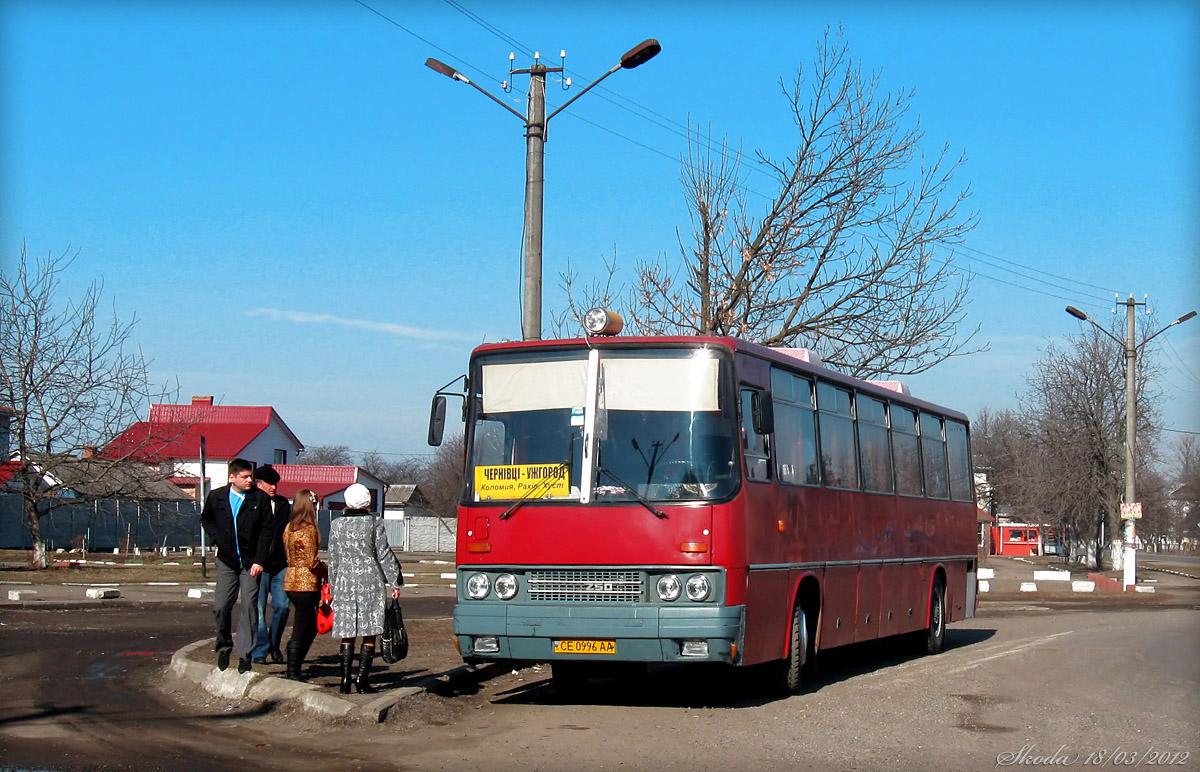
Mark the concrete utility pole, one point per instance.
(1131, 510)
(536, 121)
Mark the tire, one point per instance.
(568, 678)
(934, 636)
(792, 669)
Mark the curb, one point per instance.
(232, 685)
(29, 604)
(1059, 579)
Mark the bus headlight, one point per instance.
(669, 587)
(478, 586)
(506, 586)
(698, 587)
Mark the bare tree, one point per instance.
(1076, 403)
(848, 256)
(1185, 495)
(326, 455)
(442, 480)
(568, 323)
(404, 470)
(1000, 443)
(1158, 525)
(74, 381)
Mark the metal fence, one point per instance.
(132, 525)
(103, 525)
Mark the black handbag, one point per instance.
(395, 638)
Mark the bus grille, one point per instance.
(586, 586)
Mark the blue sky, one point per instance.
(301, 214)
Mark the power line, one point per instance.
(489, 27)
(389, 453)
(663, 122)
(465, 64)
(1178, 361)
(1036, 270)
(995, 262)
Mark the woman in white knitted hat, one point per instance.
(360, 561)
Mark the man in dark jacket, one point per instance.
(270, 583)
(237, 517)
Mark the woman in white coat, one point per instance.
(362, 567)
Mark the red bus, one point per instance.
(700, 499)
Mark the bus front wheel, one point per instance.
(568, 678)
(792, 669)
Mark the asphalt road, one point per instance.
(84, 690)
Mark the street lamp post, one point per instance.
(536, 122)
(1131, 350)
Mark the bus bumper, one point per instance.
(640, 633)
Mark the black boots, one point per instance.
(365, 655)
(362, 680)
(276, 637)
(295, 657)
(347, 654)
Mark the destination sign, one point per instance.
(516, 481)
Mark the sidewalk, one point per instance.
(433, 665)
(1049, 576)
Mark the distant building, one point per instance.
(405, 501)
(96, 478)
(6, 416)
(172, 435)
(170, 439)
(329, 483)
(7, 468)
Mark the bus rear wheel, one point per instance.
(934, 636)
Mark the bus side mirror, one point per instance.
(763, 413)
(437, 420)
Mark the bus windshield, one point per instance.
(602, 425)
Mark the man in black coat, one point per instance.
(270, 583)
(238, 519)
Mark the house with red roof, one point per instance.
(328, 483)
(6, 415)
(8, 467)
(173, 434)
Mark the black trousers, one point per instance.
(304, 624)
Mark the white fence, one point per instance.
(422, 533)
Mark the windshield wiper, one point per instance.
(543, 486)
(535, 491)
(637, 496)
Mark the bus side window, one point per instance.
(754, 445)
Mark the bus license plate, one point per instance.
(585, 647)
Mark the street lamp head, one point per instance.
(1185, 317)
(444, 69)
(1075, 312)
(640, 54)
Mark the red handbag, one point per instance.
(325, 610)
